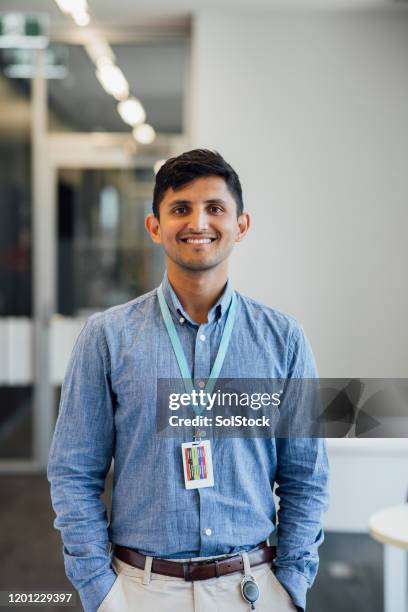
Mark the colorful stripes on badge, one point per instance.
(196, 466)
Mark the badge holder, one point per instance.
(197, 464)
(249, 586)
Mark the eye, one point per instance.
(216, 210)
(179, 210)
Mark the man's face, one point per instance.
(198, 224)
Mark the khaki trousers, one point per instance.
(136, 590)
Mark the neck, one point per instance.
(197, 291)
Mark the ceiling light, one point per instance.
(100, 51)
(113, 81)
(73, 6)
(103, 60)
(81, 19)
(131, 111)
(144, 133)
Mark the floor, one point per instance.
(349, 579)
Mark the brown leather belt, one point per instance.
(197, 570)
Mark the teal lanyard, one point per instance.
(178, 349)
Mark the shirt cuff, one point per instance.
(295, 584)
(93, 594)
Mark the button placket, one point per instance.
(202, 357)
(203, 361)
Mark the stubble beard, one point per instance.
(195, 266)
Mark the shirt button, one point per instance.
(208, 532)
(201, 384)
(202, 337)
(182, 319)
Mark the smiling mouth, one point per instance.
(198, 240)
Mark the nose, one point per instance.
(198, 221)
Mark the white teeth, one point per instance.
(198, 241)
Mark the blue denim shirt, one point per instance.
(107, 411)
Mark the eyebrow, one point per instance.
(209, 201)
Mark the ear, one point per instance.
(152, 225)
(244, 221)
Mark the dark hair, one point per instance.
(187, 167)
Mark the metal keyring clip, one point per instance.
(249, 586)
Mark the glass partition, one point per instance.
(105, 256)
(16, 396)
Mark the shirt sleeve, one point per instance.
(302, 479)
(80, 457)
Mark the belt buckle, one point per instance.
(188, 566)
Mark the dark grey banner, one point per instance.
(258, 407)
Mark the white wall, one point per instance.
(312, 110)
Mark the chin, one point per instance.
(198, 266)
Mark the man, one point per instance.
(159, 523)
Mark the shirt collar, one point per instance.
(215, 313)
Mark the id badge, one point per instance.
(197, 464)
